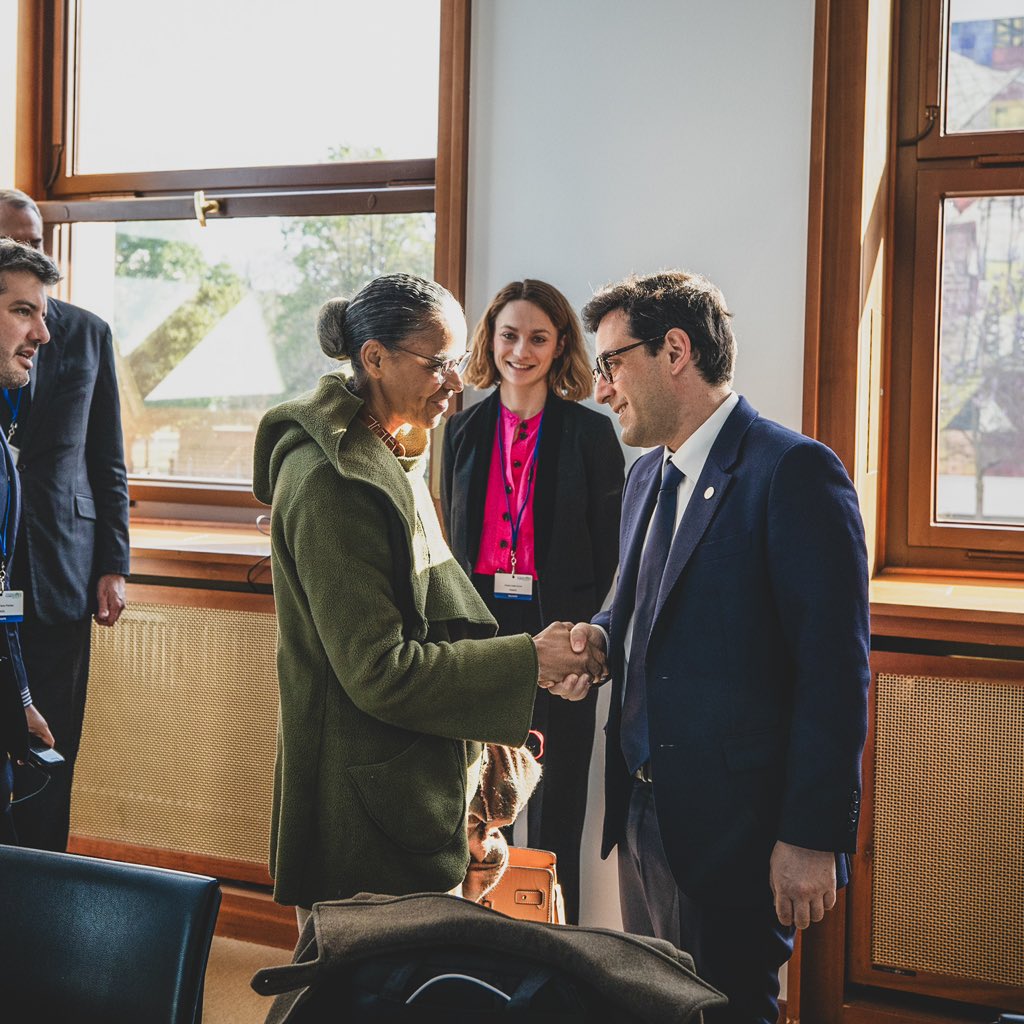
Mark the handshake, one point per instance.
(571, 659)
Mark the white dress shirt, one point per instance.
(689, 459)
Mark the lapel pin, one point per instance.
(709, 493)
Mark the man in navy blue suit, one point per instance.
(24, 276)
(737, 642)
(74, 537)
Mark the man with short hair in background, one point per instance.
(65, 429)
(24, 276)
(738, 644)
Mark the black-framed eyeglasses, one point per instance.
(441, 368)
(603, 369)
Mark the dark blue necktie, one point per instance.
(633, 733)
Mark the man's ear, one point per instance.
(372, 355)
(680, 351)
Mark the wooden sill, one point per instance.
(947, 608)
(199, 552)
(927, 607)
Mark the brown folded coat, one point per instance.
(636, 978)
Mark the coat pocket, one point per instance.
(722, 547)
(418, 798)
(85, 506)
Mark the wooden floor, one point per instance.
(228, 998)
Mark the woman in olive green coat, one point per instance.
(390, 674)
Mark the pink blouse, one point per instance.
(520, 476)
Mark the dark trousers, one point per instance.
(555, 813)
(8, 836)
(739, 950)
(57, 663)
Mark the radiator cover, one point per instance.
(948, 828)
(180, 732)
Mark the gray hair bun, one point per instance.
(330, 328)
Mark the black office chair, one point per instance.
(83, 939)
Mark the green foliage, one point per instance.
(336, 256)
(219, 291)
(166, 260)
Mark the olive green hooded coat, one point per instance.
(390, 675)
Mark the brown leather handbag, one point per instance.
(529, 889)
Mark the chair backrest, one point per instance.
(84, 939)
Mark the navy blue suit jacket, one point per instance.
(13, 727)
(72, 469)
(757, 661)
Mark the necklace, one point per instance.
(389, 439)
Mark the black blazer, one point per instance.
(576, 505)
(13, 726)
(71, 464)
(757, 661)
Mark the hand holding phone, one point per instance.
(42, 756)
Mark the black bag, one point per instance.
(432, 957)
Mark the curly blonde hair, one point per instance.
(570, 376)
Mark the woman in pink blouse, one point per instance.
(531, 489)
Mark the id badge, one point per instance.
(14, 454)
(512, 586)
(12, 605)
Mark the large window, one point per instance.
(215, 324)
(213, 171)
(956, 487)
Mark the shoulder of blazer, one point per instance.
(594, 428)
(749, 438)
(475, 419)
(68, 319)
(728, 445)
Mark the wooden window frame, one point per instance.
(931, 90)
(982, 545)
(936, 167)
(858, 237)
(437, 185)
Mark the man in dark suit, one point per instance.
(66, 428)
(24, 276)
(738, 644)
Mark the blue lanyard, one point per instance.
(3, 537)
(516, 521)
(14, 407)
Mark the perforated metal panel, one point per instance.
(178, 750)
(948, 894)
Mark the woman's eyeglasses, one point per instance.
(441, 368)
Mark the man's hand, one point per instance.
(588, 642)
(585, 637)
(37, 725)
(804, 883)
(109, 599)
(564, 671)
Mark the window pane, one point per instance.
(985, 68)
(980, 467)
(242, 83)
(213, 325)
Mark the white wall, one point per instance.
(8, 73)
(609, 137)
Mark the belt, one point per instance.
(643, 773)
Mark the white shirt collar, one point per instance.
(691, 455)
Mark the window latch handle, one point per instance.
(203, 206)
